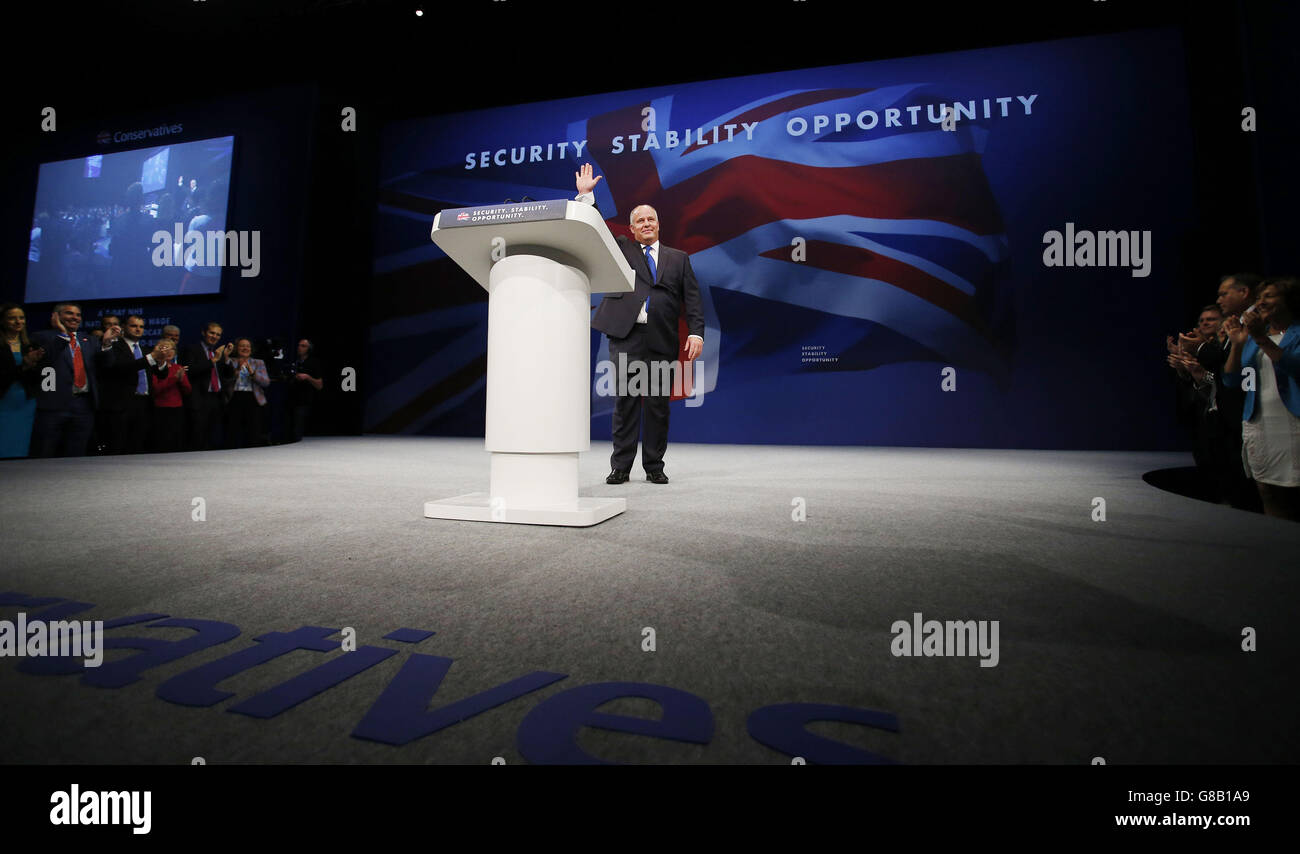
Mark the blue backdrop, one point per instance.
(849, 246)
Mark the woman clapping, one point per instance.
(1264, 360)
(245, 396)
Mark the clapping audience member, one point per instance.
(19, 380)
(210, 373)
(65, 410)
(1264, 360)
(101, 438)
(124, 386)
(1195, 390)
(245, 397)
(169, 391)
(1236, 293)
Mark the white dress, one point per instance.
(1270, 440)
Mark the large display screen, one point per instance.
(874, 243)
(127, 224)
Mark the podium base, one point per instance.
(477, 507)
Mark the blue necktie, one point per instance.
(654, 274)
(142, 383)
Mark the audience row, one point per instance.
(65, 393)
(1238, 376)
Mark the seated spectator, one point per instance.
(245, 396)
(19, 380)
(1264, 360)
(168, 392)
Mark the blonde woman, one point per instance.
(169, 392)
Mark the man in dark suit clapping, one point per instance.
(209, 375)
(124, 386)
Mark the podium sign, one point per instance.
(499, 214)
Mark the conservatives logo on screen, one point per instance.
(105, 137)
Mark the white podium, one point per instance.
(540, 262)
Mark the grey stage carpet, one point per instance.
(1118, 639)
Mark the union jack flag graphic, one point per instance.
(868, 245)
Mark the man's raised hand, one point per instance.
(1237, 333)
(583, 177)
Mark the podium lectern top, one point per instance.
(563, 230)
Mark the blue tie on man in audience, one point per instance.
(124, 386)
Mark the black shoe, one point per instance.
(656, 477)
(617, 476)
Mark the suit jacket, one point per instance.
(58, 355)
(671, 293)
(1286, 371)
(119, 373)
(1228, 400)
(12, 372)
(196, 359)
(259, 379)
(169, 386)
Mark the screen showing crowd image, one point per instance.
(98, 223)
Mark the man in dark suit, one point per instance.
(209, 374)
(1237, 293)
(1194, 394)
(65, 402)
(642, 329)
(124, 386)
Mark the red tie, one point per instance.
(214, 384)
(78, 366)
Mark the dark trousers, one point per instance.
(1234, 484)
(101, 438)
(298, 421)
(243, 420)
(131, 426)
(629, 408)
(168, 428)
(205, 412)
(65, 432)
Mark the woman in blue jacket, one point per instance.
(1264, 359)
(19, 380)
